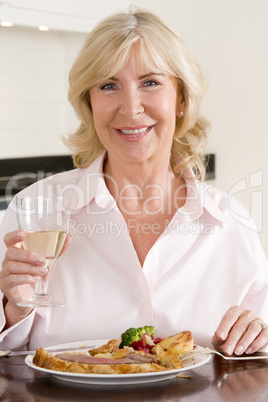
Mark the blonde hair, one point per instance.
(105, 52)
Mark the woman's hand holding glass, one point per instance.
(21, 270)
(31, 254)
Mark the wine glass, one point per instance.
(44, 221)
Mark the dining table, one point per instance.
(216, 380)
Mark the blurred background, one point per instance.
(39, 40)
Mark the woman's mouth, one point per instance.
(134, 134)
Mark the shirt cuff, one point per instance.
(17, 336)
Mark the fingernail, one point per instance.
(41, 260)
(20, 234)
(249, 351)
(221, 335)
(229, 350)
(239, 350)
(42, 270)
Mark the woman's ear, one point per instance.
(181, 106)
(181, 103)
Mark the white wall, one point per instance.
(34, 111)
(229, 39)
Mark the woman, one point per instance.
(150, 244)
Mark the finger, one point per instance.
(16, 274)
(237, 332)
(227, 322)
(20, 268)
(216, 342)
(10, 285)
(252, 331)
(12, 238)
(18, 287)
(260, 341)
(12, 281)
(21, 255)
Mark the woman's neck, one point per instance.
(144, 188)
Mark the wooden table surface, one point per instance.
(217, 380)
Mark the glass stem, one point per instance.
(41, 287)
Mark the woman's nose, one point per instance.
(131, 104)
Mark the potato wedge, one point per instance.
(166, 358)
(180, 343)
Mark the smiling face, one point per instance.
(135, 112)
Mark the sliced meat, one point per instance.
(85, 359)
(146, 358)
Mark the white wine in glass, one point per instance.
(44, 221)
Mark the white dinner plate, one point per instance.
(116, 379)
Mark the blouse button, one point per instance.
(144, 300)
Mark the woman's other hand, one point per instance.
(240, 331)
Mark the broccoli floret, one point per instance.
(149, 330)
(129, 336)
(135, 334)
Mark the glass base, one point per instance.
(40, 301)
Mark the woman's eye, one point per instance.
(151, 83)
(107, 87)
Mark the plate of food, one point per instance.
(136, 357)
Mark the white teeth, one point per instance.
(141, 130)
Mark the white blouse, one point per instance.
(208, 259)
